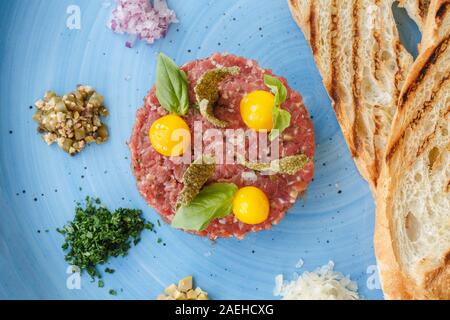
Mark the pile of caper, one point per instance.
(74, 120)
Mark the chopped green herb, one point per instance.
(159, 240)
(149, 226)
(101, 283)
(113, 292)
(207, 92)
(195, 176)
(109, 270)
(281, 118)
(96, 234)
(288, 165)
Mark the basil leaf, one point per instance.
(281, 118)
(171, 86)
(281, 121)
(214, 201)
(277, 88)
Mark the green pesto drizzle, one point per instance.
(195, 176)
(207, 92)
(206, 110)
(288, 165)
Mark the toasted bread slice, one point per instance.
(437, 24)
(417, 10)
(363, 65)
(412, 234)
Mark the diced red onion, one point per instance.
(142, 20)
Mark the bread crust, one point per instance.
(396, 283)
(417, 10)
(366, 138)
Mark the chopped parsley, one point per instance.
(96, 234)
(108, 270)
(288, 165)
(113, 292)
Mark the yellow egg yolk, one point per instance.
(256, 110)
(170, 136)
(251, 205)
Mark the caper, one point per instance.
(103, 132)
(60, 106)
(67, 144)
(73, 120)
(80, 134)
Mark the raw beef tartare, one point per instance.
(160, 179)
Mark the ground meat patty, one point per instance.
(160, 180)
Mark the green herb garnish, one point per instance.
(171, 86)
(109, 270)
(213, 202)
(96, 234)
(288, 165)
(113, 292)
(281, 118)
(195, 176)
(207, 112)
(207, 92)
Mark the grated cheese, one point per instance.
(322, 284)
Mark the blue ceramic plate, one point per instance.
(39, 185)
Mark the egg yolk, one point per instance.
(256, 110)
(251, 205)
(170, 136)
